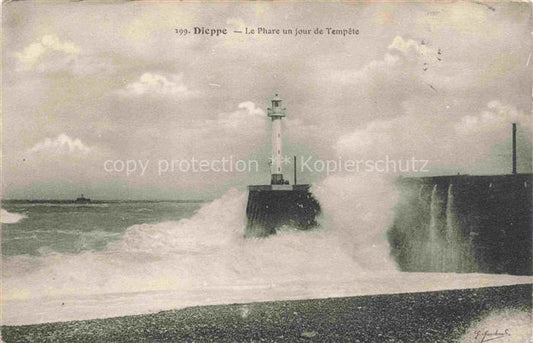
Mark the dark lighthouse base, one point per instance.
(272, 206)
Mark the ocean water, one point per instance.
(68, 262)
(36, 229)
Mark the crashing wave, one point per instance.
(10, 218)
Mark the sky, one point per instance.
(89, 84)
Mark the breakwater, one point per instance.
(463, 223)
(271, 207)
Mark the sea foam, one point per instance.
(205, 260)
(10, 218)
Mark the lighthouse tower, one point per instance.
(279, 204)
(276, 112)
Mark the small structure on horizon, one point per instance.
(82, 200)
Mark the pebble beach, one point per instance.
(443, 316)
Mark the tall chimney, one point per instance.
(514, 148)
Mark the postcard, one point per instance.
(193, 171)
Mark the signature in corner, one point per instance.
(487, 336)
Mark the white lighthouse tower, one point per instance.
(273, 206)
(276, 112)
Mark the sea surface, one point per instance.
(66, 261)
(38, 228)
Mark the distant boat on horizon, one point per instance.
(82, 200)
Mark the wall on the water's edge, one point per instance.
(269, 209)
(463, 223)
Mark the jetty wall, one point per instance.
(463, 223)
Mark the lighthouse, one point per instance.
(271, 207)
(276, 112)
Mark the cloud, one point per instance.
(406, 70)
(62, 144)
(247, 115)
(403, 64)
(237, 133)
(236, 128)
(409, 46)
(51, 55)
(47, 45)
(157, 85)
(440, 140)
(401, 137)
(492, 120)
(376, 135)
